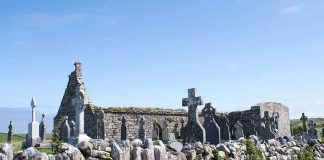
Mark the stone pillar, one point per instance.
(10, 133)
(42, 129)
(33, 127)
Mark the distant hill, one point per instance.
(20, 118)
(298, 125)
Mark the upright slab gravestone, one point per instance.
(223, 122)
(211, 127)
(123, 129)
(33, 127)
(42, 129)
(266, 132)
(312, 132)
(155, 133)
(303, 118)
(194, 131)
(142, 129)
(238, 130)
(66, 130)
(10, 133)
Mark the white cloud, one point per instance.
(293, 9)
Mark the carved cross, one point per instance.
(209, 112)
(267, 120)
(192, 102)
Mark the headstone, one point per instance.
(142, 129)
(80, 102)
(165, 131)
(194, 131)
(72, 128)
(182, 126)
(33, 127)
(176, 130)
(155, 134)
(123, 129)
(42, 129)
(312, 132)
(304, 119)
(10, 133)
(223, 123)
(323, 132)
(266, 132)
(66, 130)
(274, 124)
(253, 128)
(101, 124)
(211, 127)
(291, 130)
(238, 130)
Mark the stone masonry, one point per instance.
(113, 115)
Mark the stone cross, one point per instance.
(194, 131)
(42, 129)
(274, 124)
(123, 129)
(312, 132)
(10, 133)
(80, 102)
(155, 134)
(238, 130)
(266, 132)
(211, 127)
(65, 131)
(304, 119)
(33, 127)
(142, 130)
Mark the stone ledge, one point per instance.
(141, 110)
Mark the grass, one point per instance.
(298, 125)
(18, 139)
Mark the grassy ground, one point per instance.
(298, 125)
(18, 139)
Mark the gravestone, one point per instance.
(42, 129)
(194, 131)
(304, 119)
(165, 131)
(266, 132)
(238, 130)
(223, 122)
(323, 132)
(274, 124)
(101, 124)
(10, 133)
(182, 126)
(312, 132)
(142, 129)
(253, 128)
(155, 134)
(80, 101)
(72, 128)
(176, 131)
(66, 130)
(33, 127)
(123, 129)
(211, 127)
(291, 129)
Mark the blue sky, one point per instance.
(148, 53)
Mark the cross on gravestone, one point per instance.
(266, 132)
(142, 129)
(238, 130)
(155, 134)
(304, 119)
(10, 133)
(312, 132)
(42, 129)
(274, 124)
(211, 127)
(65, 131)
(123, 129)
(194, 131)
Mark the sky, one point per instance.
(147, 53)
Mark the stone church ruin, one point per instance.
(267, 120)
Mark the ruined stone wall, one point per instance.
(113, 118)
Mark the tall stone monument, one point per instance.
(194, 131)
(66, 130)
(42, 129)
(80, 102)
(303, 118)
(142, 129)
(211, 127)
(312, 132)
(238, 130)
(33, 127)
(10, 133)
(123, 129)
(266, 132)
(223, 122)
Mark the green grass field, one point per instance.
(18, 139)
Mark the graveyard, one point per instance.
(85, 131)
(161, 80)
